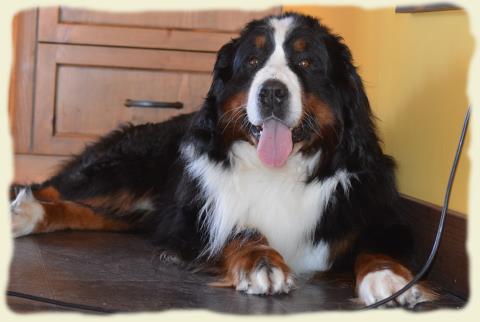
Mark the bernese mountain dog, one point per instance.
(279, 173)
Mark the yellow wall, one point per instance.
(415, 71)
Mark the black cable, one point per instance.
(415, 279)
(74, 306)
(441, 223)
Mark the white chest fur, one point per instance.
(276, 202)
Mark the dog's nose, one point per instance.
(273, 93)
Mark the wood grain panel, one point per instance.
(218, 20)
(20, 103)
(50, 30)
(189, 71)
(104, 91)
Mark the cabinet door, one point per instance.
(81, 91)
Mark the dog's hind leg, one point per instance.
(42, 209)
(120, 182)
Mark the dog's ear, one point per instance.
(357, 133)
(204, 126)
(223, 68)
(358, 114)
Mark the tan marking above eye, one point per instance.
(299, 45)
(260, 41)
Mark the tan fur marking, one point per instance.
(61, 214)
(299, 45)
(46, 194)
(260, 41)
(231, 120)
(325, 119)
(320, 109)
(235, 102)
(368, 263)
(245, 255)
(371, 263)
(339, 248)
(121, 201)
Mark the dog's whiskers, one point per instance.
(311, 124)
(230, 111)
(233, 115)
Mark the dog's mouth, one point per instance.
(275, 141)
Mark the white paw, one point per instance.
(265, 279)
(381, 284)
(26, 213)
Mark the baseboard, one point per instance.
(450, 268)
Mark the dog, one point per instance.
(279, 173)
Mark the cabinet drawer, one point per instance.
(206, 20)
(81, 91)
(188, 30)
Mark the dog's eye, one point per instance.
(253, 61)
(304, 63)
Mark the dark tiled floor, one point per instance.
(122, 272)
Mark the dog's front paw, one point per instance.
(260, 270)
(378, 285)
(264, 278)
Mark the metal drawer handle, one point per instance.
(153, 104)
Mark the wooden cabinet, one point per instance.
(82, 90)
(74, 69)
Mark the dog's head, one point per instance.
(286, 81)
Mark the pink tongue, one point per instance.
(275, 144)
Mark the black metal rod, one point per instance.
(153, 104)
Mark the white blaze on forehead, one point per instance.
(277, 67)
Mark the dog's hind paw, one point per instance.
(26, 213)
